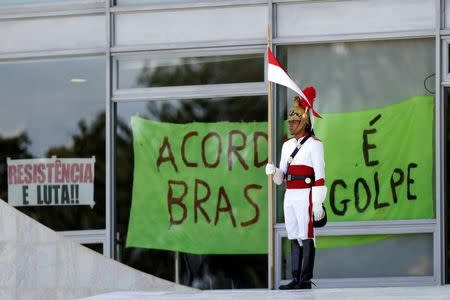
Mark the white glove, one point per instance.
(318, 197)
(270, 169)
(318, 212)
(278, 175)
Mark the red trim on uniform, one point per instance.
(319, 182)
(297, 184)
(299, 170)
(310, 222)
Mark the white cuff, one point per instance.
(319, 193)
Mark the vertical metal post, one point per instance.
(177, 267)
(109, 136)
(438, 246)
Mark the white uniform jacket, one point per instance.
(305, 179)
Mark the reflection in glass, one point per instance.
(46, 112)
(201, 271)
(385, 256)
(354, 76)
(141, 2)
(22, 2)
(156, 72)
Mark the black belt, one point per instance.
(291, 177)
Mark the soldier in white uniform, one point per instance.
(304, 174)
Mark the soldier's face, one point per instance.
(293, 127)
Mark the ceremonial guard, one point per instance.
(302, 167)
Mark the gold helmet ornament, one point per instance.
(298, 112)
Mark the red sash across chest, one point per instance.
(299, 177)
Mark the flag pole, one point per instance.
(269, 183)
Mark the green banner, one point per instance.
(201, 188)
(379, 162)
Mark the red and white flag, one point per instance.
(276, 73)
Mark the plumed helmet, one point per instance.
(301, 106)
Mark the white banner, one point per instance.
(51, 181)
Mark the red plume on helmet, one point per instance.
(310, 93)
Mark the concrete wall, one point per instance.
(38, 263)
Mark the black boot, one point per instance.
(296, 260)
(309, 253)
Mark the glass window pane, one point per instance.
(31, 35)
(363, 74)
(192, 24)
(447, 173)
(143, 73)
(447, 14)
(143, 2)
(201, 271)
(384, 256)
(345, 18)
(21, 2)
(56, 108)
(448, 57)
(353, 77)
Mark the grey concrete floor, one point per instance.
(397, 293)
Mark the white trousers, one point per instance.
(296, 214)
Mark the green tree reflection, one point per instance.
(15, 147)
(202, 70)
